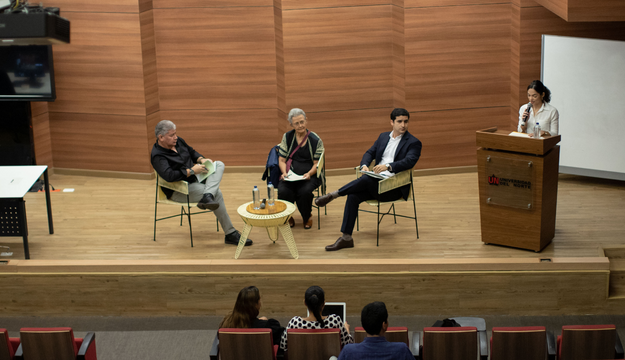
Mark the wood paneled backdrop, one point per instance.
(227, 72)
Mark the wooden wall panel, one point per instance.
(100, 72)
(341, 59)
(446, 3)
(348, 134)
(99, 142)
(148, 56)
(320, 4)
(279, 36)
(457, 57)
(448, 136)
(236, 137)
(95, 6)
(399, 56)
(194, 4)
(41, 133)
(586, 11)
(216, 58)
(528, 26)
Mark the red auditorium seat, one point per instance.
(581, 342)
(55, 343)
(522, 343)
(313, 344)
(450, 343)
(236, 344)
(8, 345)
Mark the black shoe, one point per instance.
(208, 202)
(323, 200)
(340, 244)
(233, 239)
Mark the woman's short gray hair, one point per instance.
(295, 112)
(163, 127)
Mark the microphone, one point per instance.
(526, 115)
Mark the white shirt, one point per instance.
(389, 153)
(547, 117)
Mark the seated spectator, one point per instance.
(245, 314)
(374, 319)
(315, 300)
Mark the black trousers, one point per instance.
(299, 193)
(360, 190)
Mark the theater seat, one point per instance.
(450, 343)
(522, 343)
(313, 344)
(55, 343)
(8, 345)
(235, 344)
(589, 342)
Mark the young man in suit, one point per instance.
(394, 152)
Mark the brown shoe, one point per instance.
(340, 244)
(308, 223)
(291, 222)
(324, 200)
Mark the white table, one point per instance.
(15, 181)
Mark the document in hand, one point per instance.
(383, 175)
(291, 176)
(211, 169)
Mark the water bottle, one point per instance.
(270, 198)
(256, 196)
(537, 131)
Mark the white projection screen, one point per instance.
(587, 81)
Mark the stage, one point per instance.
(102, 259)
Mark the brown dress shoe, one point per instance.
(340, 244)
(308, 223)
(324, 200)
(291, 222)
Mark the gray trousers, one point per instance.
(210, 186)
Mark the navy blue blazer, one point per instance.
(406, 156)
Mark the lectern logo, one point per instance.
(493, 180)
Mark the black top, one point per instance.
(302, 162)
(272, 324)
(171, 165)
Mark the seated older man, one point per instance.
(174, 160)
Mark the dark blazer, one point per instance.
(406, 156)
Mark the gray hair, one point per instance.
(295, 112)
(163, 127)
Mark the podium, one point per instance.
(518, 183)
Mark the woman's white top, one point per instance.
(547, 117)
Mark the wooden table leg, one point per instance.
(285, 229)
(244, 235)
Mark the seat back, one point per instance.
(6, 348)
(313, 344)
(392, 334)
(321, 171)
(587, 342)
(522, 343)
(235, 344)
(450, 343)
(48, 343)
(179, 186)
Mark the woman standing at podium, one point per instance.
(538, 110)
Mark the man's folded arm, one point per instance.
(369, 155)
(161, 165)
(410, 160)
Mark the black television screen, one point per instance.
(26, 73)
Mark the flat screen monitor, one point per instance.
(26, 73)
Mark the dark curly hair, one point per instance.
(540, 89)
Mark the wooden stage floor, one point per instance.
(112, 219)
(102, 259)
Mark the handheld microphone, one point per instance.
(526, 115)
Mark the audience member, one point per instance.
(245, 314)
(314, 299)
(374, 319)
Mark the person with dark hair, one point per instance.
(394, 151)
(315, 300)
(538, 110)
(245, 314)
(374, 319)
(300, 151)
(174, 160)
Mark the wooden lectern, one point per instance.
(518, 181)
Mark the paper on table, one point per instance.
(211, 169)
(516, 133)
(291, 176)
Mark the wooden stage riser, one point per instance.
(405, 293)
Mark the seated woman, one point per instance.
(300, 151)
(314, 299)
(245, 314)
(538, 110)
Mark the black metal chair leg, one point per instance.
(155, 207)
(189, 217)
(378, 226)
